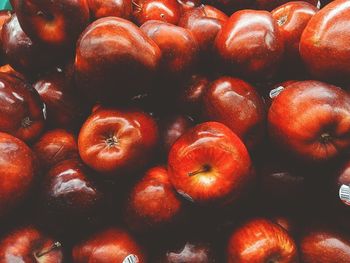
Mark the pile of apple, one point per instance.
(176, 131)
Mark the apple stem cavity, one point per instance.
(53, 247)
(26, 122)
(325, 138)
(204, 169)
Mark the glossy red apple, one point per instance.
(112, 245)
(54, 23)
(114, 60)
(28, 244)
(178, 45)
(260, 240)
(322, 47)
(117, 142)
(236, 104)
(324, 245)
(271, 4)
(18, 169)
(163, 10)
(55, 146)
(22, 113)
(209, 163)
(251, 44)
(104, 8)
(310, 120)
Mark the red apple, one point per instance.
(260, 240)
(178, 45)
(104, 8)
(271, 4)
(117, 142)
(114, 60)
(17, 169)
(55, 146)
(163, 10)
(186, 5)
(28, 244)
(112, 245)
(323, 49)
(22, 113)
(54, 23)
(310, 120)
(4, 16)
(209, 163)
(251, 44)
(236, 104)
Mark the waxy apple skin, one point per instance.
(28, 244)
(4, 16)
(310, 120)
(114, 60)
(117, 142)
(209, 164)
(250, 44)
(111, 245)
(260, 240)
(236, 104)
(104, 8)
(271, 4)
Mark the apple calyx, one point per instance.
(111, 141)
(325, 138)
(56, 245)
(204, 169)
(26, 122)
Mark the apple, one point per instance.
(322, 48)
(114, 60)
(18, 169)
(53, 23)
(163, 10)
(209, 164)
(186, 5)
(251, 44)
(117, 142)
(236, 104)
(111, 245)
(22, 113)
(261, 240)
(55, 146)
(310, 121)
(178, 45)
(271, 4)
(104, 8)
(28, 244)
(4, 16)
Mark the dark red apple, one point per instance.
(53, 23)
(22, 113)
(310, 120)
(55, 146)
(104, 8)
(178, 45)
(114, 60)
(28, 244)
(17, 170)
(209, 163)
(236, 104)
(117, 142)
(251, 44)
(163, 10)
(112, 245)
(261, 240)
(323, 49)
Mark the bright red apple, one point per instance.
(104, 8)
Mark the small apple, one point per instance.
(104, 8)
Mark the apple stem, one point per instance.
(53, 247)
(204, 169)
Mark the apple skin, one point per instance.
(324, 245)
(322, 48)
(55, 146)
(186, 5)
(271, 4)
(153, 202)
(53, 23)
(261, 240)
(256, 54)
(114, 60)
(104, 8)
(111, 245)
(164, 10)
(236, 104)
(178, 45)
(18, 168)
(4, 16)
(117, 142)
(28, 244)
(310, 120)
(292, 19)
(209, 164)
(22, 113)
